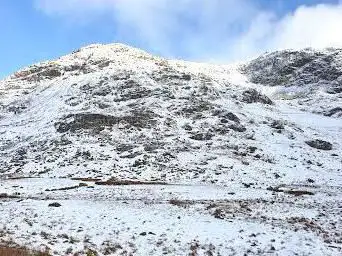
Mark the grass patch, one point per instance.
(11, 251)
(182, 203)
(20, 178)
(115, 182)
(7, 196)
(295, 192)
(87, 179)
(68, 188)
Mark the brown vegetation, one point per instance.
(11, 251)
(115, 182)
(5, 196)
(68, 188)
(294, 192)
(87, 179)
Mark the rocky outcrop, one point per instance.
(298, 68)
(253, 96)
(319, 144)
(98, 122)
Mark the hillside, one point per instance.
(254, 146)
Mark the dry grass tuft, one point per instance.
(87, 179)
(10, 251)
(115, 182)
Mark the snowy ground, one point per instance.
(170, 219)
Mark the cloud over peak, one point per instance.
(211, 30)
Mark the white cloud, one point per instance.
(318, 26)
(217, 30)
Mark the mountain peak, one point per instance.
(110, 51)
(109, 45)
(88, 59)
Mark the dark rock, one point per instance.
(277, 124)
(72, 68)
(225, 115)
(187, 127)
(186, 77)
(334, 111)
(245, 162)
(98, 122)
(4, 195)
(139, 162)
(84, 154)
(133, 94)
(202, 136)
(253, 96)
(195, 108)
(252, 149)
(218, 214)
(334, 90)
(289, 68)
(124, 147)
(319, 144)
(153, 146)
(50, 73)
(222, 130)
(237, 127)
(55, 204)
(277, 176)
(103, 63)
(169, 75)
(247, 185)
(230, 116)
(102, 91)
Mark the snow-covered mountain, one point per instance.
(113, 111)
(312, 79)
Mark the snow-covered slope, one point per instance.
(310, 78)
(112, 111)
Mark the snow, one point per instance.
(227, 173)
(89, 218)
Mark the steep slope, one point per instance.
(222, 159)
(310, 78)
(116, 111)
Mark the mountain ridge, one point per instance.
(135, 154)
(149, 92)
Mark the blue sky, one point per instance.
(215, 30)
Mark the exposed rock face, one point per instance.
(334, 112)
(55, 204)
(116, 111)
(253, 96)
(99, 122)
(296, 68)
(319, 144)
(310, 78)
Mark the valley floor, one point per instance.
(75, 217)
